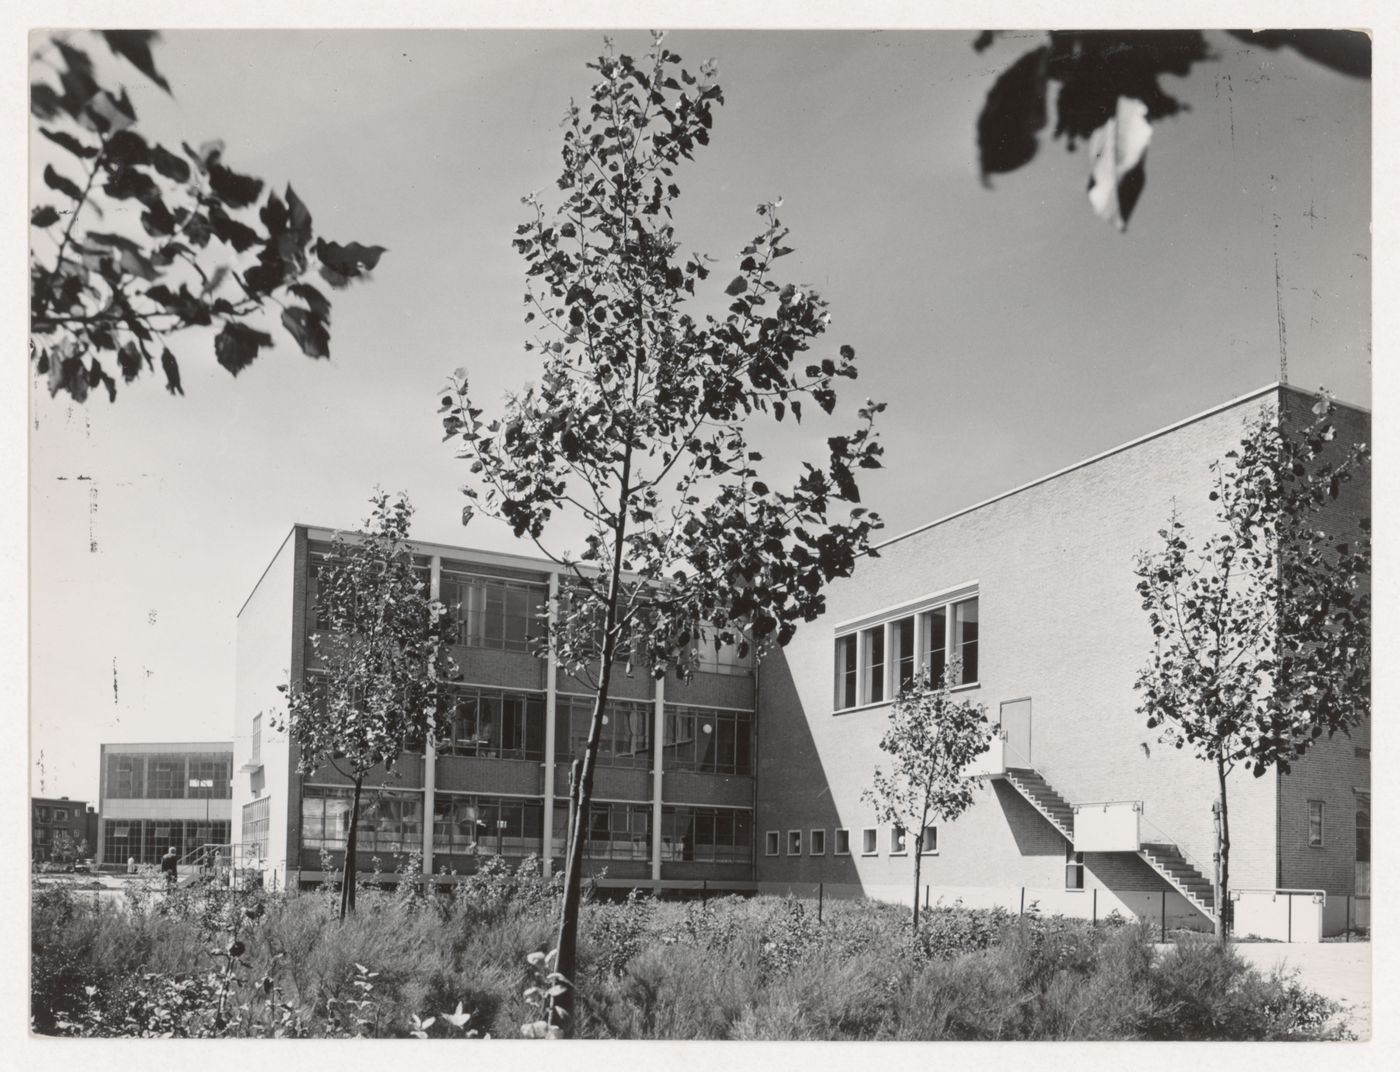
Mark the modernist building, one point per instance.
(1085, 812)
(61, 827)
(155, 796)
(673, 792)
(751, 778)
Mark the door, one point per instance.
(1016, 731)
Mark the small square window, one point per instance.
(843, 843)
(868, 845)
(898, 841)
(794, 842)
(928, 844)
(817, 844)
(770, 843)
(1315, 824)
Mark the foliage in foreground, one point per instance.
(209, 963)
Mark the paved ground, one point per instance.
(1339, 970)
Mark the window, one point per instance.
(817, 845)
(256, 824)
(209, 776)
(1315, 824)
(1363, 844)
(898, 841)
(869, 846)
(1074, 869)
(794, 843)
(842, 846)
(255, 744)
(770, 843)
(60, 815)
(614, 831)
(625, 740)
(492, 612)
(876, 662)
(710, 835)
(845, 672)
(904, 657)
(928, 843)
(467, 824)
(951, 632)
(872, 644)
(391, 821)
(724, 661)
(167, 778)
(495, 723)
(707, 740)
(126, 777)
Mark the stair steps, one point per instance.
(1031, 785)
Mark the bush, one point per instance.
(215, 962)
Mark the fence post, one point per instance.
(1164, 915)
(821, 896)
(1290, 917)
(1347, 931)
(1023, 901)
(1094, 921)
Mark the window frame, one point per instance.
(772, 842)
(931, 828)
(860, 681)
(899, 840)
(816, 837)
(1074, 865)
(1320, 816)
(794, 842)
(836, 849)
(869, 841)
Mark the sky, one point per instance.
(1010, 331)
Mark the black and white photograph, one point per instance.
(685, 526)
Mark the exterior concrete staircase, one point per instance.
(1167, 860)
(1033, 786)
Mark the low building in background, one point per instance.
(62, 830)
(1085, 811)
(155, 796)
(673, 792)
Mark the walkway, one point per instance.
(1338, 970)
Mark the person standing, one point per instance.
(167, 867)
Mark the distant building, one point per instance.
(155, 796)
(61, 829)
(673, 790)
(1085, 811)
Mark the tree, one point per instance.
(931, 740)
(383, 660)
(638, 424)
(1263, 628)
(166, 242)
(1110, 94)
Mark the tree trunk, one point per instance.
(918, 867)
(347, 881)
(567, 963)
(1222, 902)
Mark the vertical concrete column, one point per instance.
(919, 643)
(430, 746)
(551, 699)
(658, 737)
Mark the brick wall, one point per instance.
(1061, 622)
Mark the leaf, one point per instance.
(237, 346)
(109, 113)
(129, 359)
(309, 331)
(67, 141)
(44, 216)
(173, 167)
(737, 286)
(61, 184)
(238, 235)
(1013, 115)
(135, 47)
(235, 190)
(318, 302)
(345, 262)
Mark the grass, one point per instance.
(728, 968)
